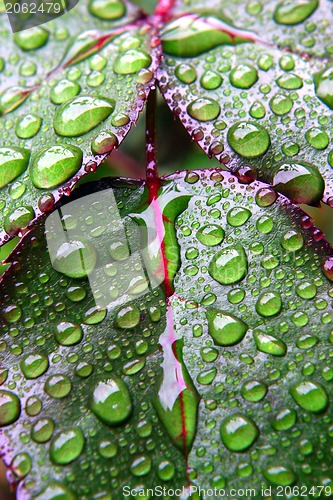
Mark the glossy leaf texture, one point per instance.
(255, 79)
(219, 377)
(71, 90)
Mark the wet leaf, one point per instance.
(217, 383)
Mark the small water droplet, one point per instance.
(243, 76)
(310, 396)
(238, 432)
(128, 317)
(284, 420)
(166, 470)
(327, 268)
(67, 446)
(141, 466)
(265, 197)
(224, 328)
(21, 465)
(248, 139)
(289, 81)
(317, 138)
(111, 401)
(204, 109)
(107, 9)
(56, 491)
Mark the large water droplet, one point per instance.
(281, 104)
(13, 162)
(294, 11)
(248, 139)
(190, 35)
(210, 235)
(229, 265)
(280, 475)
(238, 216)
(238, 432)
(28, 126)
(55, 165)
(42, 430)
(18, 219)
(269, 344)
(104, 142)
(81, 114)
(58, 386)
(254, 391)
(324, 85)
(68, 334)
(128, 317)
(67, 446)
(31, 39)
(76, 259)
(111, 401)
(131, 62)
(10, 408)
(284, 420)
(301, 182)
(269, 304)
(225, 328)
(34, 365)
(243, 76)
(204, 109)
(107, 9)
(289, 81)
(63, 91)
(310, 396)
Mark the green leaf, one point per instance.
(255, 91)
(144, 393)
(70, 93)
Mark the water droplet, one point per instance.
(238, 432)
(56, 491)
(211, 80)
(10, 408)
(42, 430)
(310, 396)
(300, 182)
(224, 328)
(257, 110)
(190, 35)
(281, 104)
(107, 9)
(165, 470)
(327, 268)
(33, 406)
(238, 216)
(248, 139)
(294, 11)
(284, 420)
(204, 109)
(76, 293)
(68, 334)
(280, 475)
(94, 315)
(206, 377)
(34, 365)
(269, 304)
(67, 446)
(76, 259)
(13, 162)
(186, 73)
(292, 240)
(111, 401)
(131, 61)
(265, 224)
(28, 126)
(210, 235)
(63, 91)
(324, 85)
(119, 250)
(103, 143)
(254, 391)
(84, 369)
(18, 219)
(58, 386)
(81, 114)
(287, 62)
(107, 449)
(12, 313)
(269, 344)
(55, 165)
(128, 317)
(265, 197)
(141, 466)
(32, 38)
(229, 265)
(290, 81)
(317, 138)
(21, 465)
(12, 98)
(243, 76)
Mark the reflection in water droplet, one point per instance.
(67, 446)
(68, 333)
(141, 466)
(310, 396)
(248, 139)
(210, 235)
(243, 76)
(55, 165)
(224, 328)
(34, 365)
(229, 265)
(103, 143)
(111, 402)
(128, 317)
(317, 138)
(301, 182)
(238, 432)
(292, 240)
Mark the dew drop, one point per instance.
(21, 465)
(28, 126)
(67, 446)
(238, 216)
(324, 85)
(317, 138)
(186, 73)
(13, 162)
(76, 259)
(63, 91)
(224, 328)
(103, 143)
(18, 219)
(107, 9)
(56, 491)
(292, 241)
(248, 139)
(55, 165)
(211, 80)
(254, 391)
(128, 317)
(291, 12)
(141, 466)
(280, 475)
(204, 109)
(58, 386)
(42, 430)
(131, 61)
(12, 98)
(281, 104)
(68, 334)
(34, 365)
(269, 344)
(243, 76)
(166, 470)
(284, 420)
(33, 406)
(229, 265)
(81, 114)
(290, 81)
(300, 182)
(111, 402)
(238, 432)
(327, 268)
(210, 235)
(269, 304)
(310, 396)
(265, 197)
(10, 408)
(32, 38)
